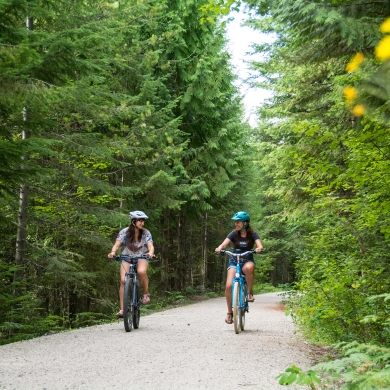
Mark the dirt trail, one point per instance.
(188, 347)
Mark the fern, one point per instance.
(362, 367)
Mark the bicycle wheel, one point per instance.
(236, 307)
(137, 306)
(244, 295)
(128, 305)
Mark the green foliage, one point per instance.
(296, 375)
(361, 367)
(215, 8)
(90, 319)
(325, 174)
(131, 105)
(261, 288)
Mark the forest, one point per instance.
(113, 106)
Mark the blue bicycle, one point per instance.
(240, 304)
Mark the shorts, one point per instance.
(126, 262)
(233, 263)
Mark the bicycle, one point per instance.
(132, 300)
(240, 304)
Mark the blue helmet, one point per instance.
(242, 216)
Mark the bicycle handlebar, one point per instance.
(223, 252)
(130, 259)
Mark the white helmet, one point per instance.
(138, 215)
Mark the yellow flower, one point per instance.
(382, 51)
(355, 62)
(385, 26)
(350, 93)
(359, 110)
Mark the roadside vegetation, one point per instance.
(323, 152)
(108, 107)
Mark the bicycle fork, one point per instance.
(245, 304)
(137, 301)
(243, 286)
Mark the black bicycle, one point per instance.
(132, 300)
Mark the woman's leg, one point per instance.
(124, 268)
(142, 268)
(228, 292)
(249, 270)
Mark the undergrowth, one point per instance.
(360, 367)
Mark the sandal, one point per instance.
(119, 314)
(251, 298)
(146, 299)
(229, 318)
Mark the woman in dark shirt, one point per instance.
(243, 239)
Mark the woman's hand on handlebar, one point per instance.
(111, 255)
(259, 250)
(219, 249)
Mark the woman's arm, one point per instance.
(225, 243)
(150, 249)
(114, 249)
(259, 246)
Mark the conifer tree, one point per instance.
(319, 154)
(132, 107)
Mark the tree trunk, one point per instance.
(180, 265)
(21, 234)
(21, 231)
(165, 251)
(204, 252)
(23, 200)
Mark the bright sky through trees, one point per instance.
(240, 40)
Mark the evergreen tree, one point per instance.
(319, 154)
(132, 107)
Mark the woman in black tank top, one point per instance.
(243, 238)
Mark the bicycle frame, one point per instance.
(240, 278)
(132, 273)
(239, 291)
(243, 285)
(131, 307)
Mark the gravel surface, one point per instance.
(188, 347)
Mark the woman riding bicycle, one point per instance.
(134, 240)
(243, 239)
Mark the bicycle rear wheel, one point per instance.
(128, 307)
(137, 306)
(236, 307)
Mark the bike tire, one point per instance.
(242, 309)
(128, 307)
(137, 307)
(236, 307)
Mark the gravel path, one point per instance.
(188, 347)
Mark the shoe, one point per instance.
(229, 318)
(146, 299)
(119, 314)
(251, 298)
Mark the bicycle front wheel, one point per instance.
(128, 307)
(242, 308)
(137, 306)
(236, 307)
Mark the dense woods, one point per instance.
(108, 107)
(324, 156)
(112, 106)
